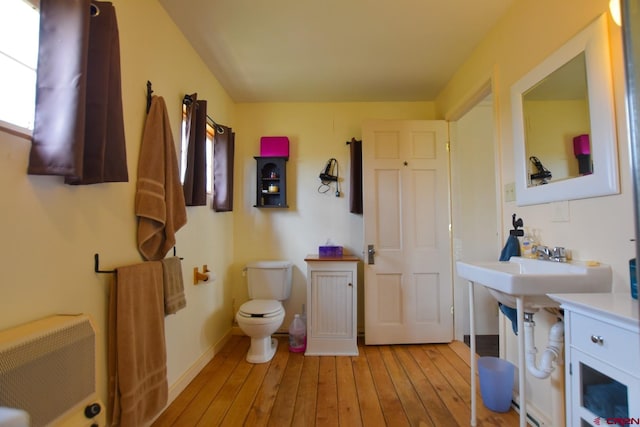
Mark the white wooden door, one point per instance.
(408, 289)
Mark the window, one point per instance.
(19, 21)
(184, 149)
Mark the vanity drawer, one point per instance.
(609, 343)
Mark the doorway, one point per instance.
(476, 216)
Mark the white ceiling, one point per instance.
(334, 50)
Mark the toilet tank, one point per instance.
(269, 279)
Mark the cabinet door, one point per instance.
(332, 296)
(601, 394)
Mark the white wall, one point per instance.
(474, 211)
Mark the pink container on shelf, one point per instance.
(274, 146)
(581, 145)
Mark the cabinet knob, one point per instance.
(350, 284)
(597, 339)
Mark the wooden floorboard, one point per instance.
(389, 400)
(370, 409)
(400, 385)
(305, 410)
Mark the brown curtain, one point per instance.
(195, 177)
(223, 157)
(355, 197)
(79, 127)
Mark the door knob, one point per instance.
(371, 254)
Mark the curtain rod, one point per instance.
(187, 100)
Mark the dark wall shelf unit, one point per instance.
(271, 186)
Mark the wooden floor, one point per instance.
(399, 385)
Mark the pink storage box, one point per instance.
(581, 145)
(274, 146)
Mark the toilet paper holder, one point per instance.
(198, 276)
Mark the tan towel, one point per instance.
(138, 388)
(174, 298)
(159, 202)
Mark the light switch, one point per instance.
(510, 192)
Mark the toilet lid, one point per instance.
(261, 308)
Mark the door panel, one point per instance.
(408, 290)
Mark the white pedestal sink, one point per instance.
(534, 279)
(524, 283)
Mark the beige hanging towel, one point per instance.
(138, 387)
(159, 203)
(174, 298)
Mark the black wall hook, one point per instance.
(149, 93)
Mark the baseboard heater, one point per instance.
(48, 369)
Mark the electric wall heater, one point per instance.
(48, 369)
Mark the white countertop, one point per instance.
(619, 307)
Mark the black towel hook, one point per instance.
(149, 92)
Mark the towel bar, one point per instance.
(96, 263)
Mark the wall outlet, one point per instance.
(510, 192)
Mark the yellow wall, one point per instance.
(51, 230)
(598, 228)
(551, 141)
(317, 132)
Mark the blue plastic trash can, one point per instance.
(496, 383)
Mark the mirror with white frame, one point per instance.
(564, 126)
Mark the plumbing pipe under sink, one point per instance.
(553, 352)
(549, 365)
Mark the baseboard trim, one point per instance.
(188, 376)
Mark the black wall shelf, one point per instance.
(271, 185)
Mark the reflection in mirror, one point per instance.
(564, 138)
(556, 113)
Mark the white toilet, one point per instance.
(269, 283)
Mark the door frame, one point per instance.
(473, 99)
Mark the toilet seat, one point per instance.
(261, 308)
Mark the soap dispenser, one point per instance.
(526, 248)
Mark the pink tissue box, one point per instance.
(330, 251)
(274, 146)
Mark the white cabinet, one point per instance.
(602, 348)
(332, 306)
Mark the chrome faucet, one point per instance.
(557, 254)
(541, 252)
